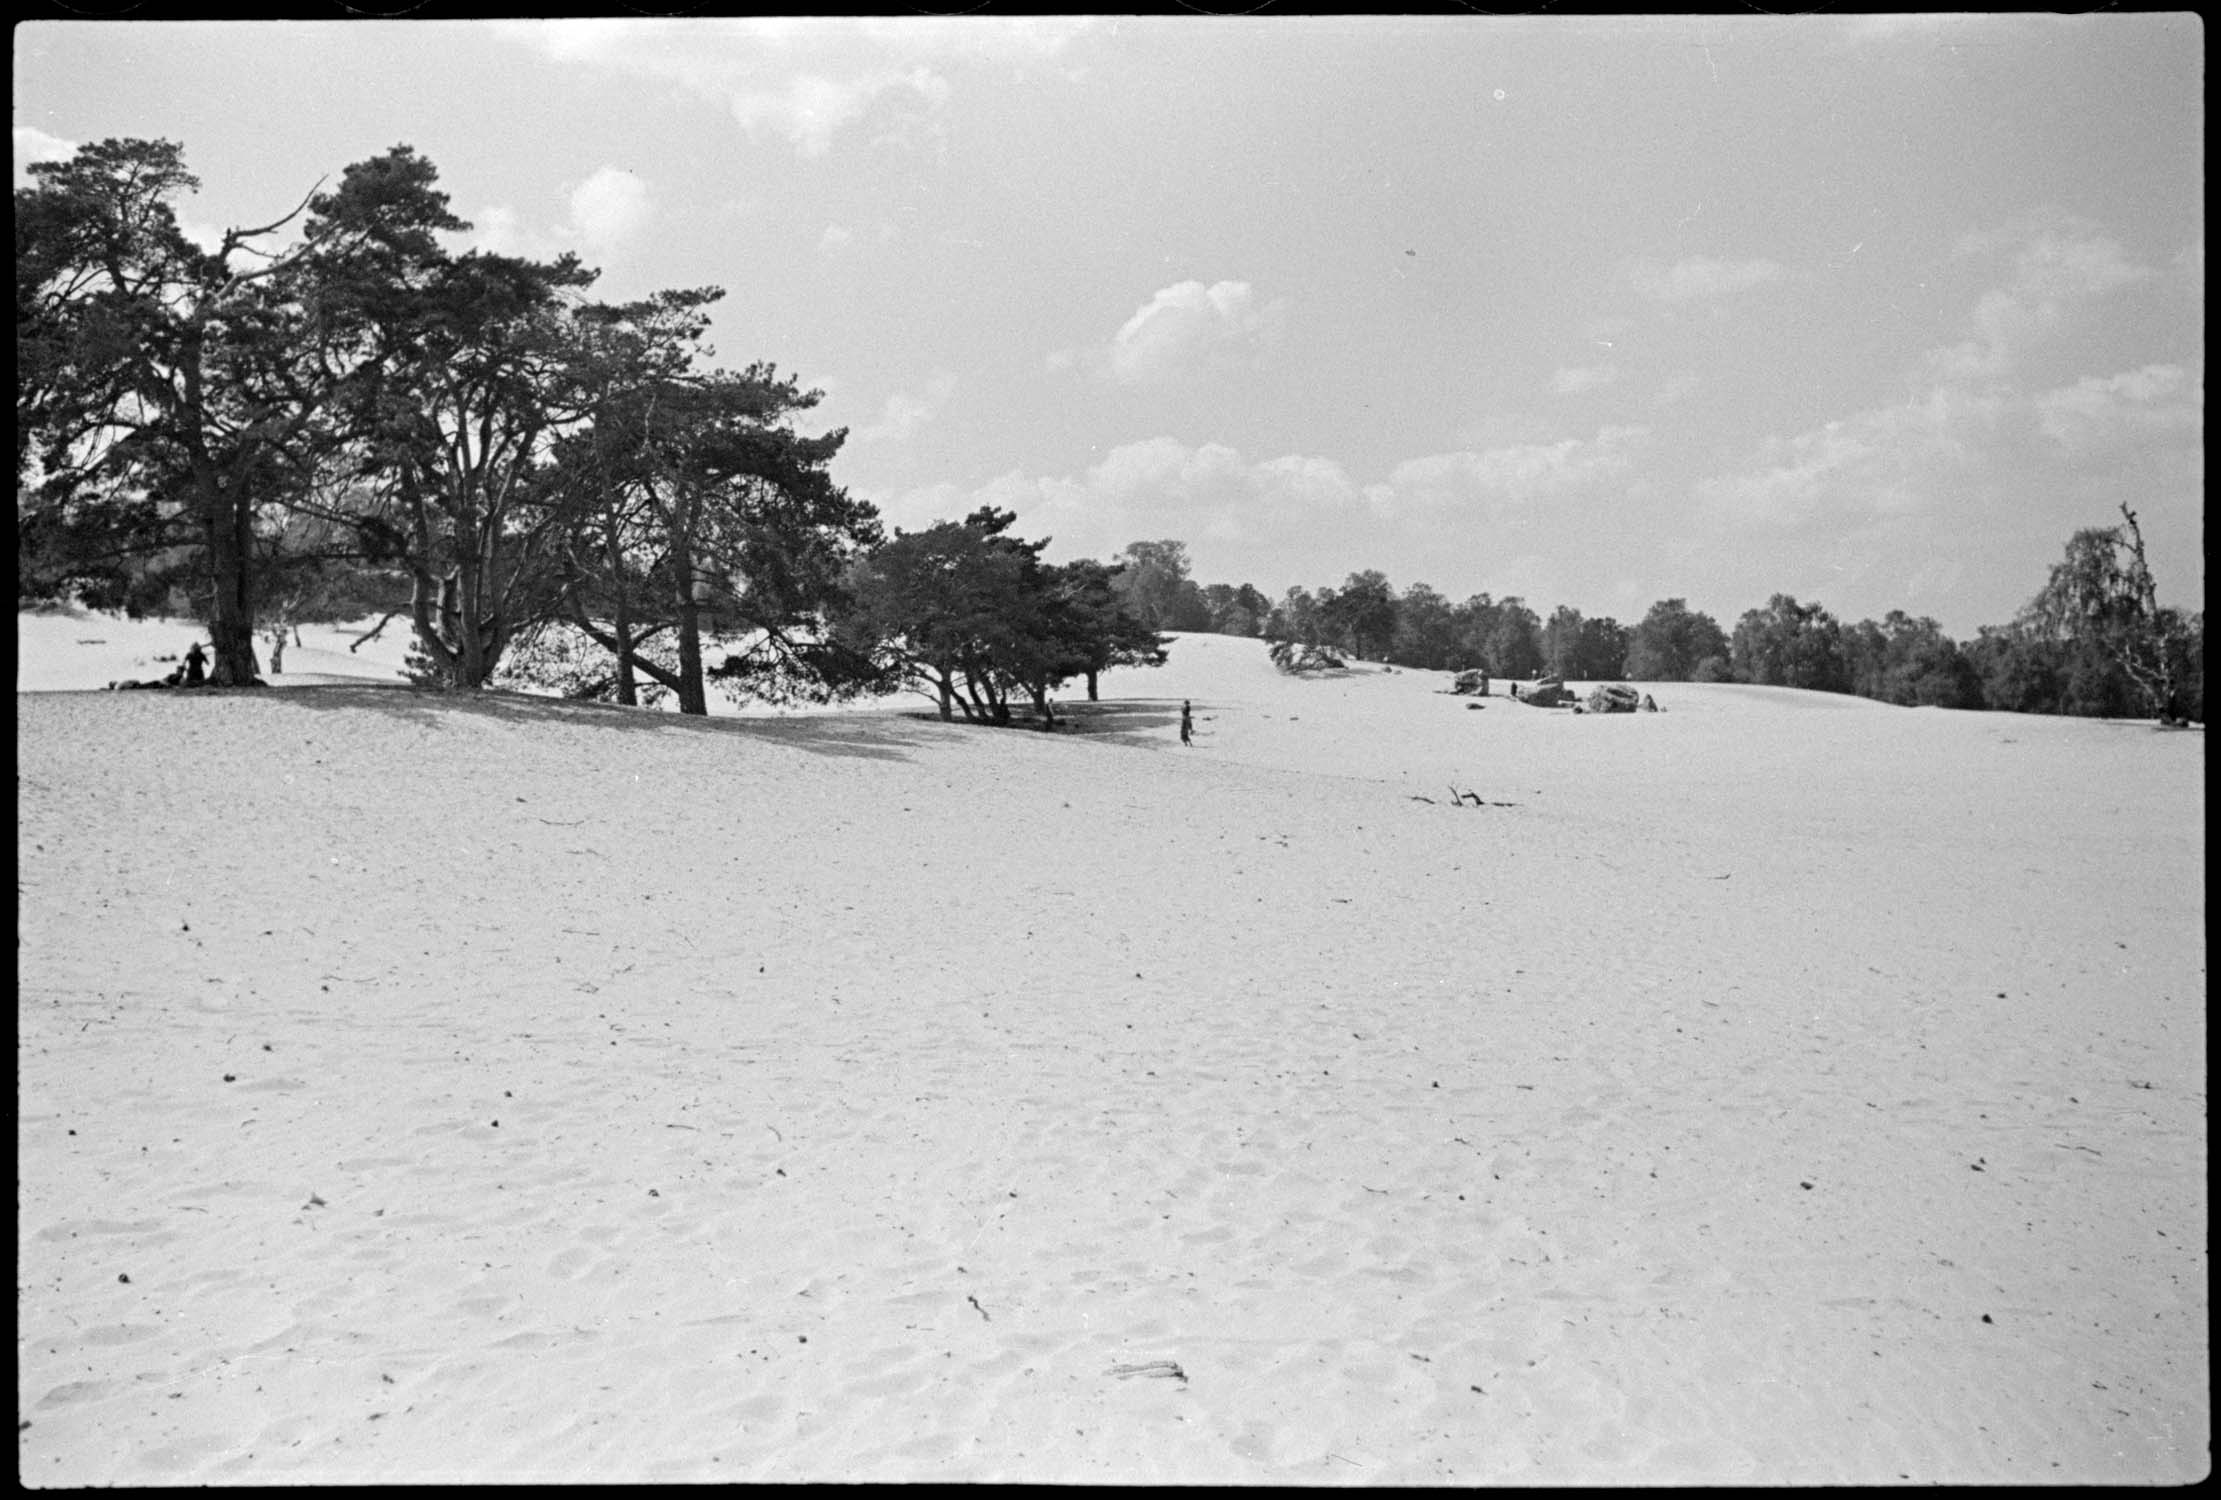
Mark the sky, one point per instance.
(1874, 311)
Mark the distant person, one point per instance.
(1187, 722)
(196, 667)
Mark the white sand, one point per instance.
(1780, 1089)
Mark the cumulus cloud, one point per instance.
(1157, 486)
(609, 209)
(1887, 460)
(1181, 330)
(499, 229)
(605, 215)
(1508, 477)
(33, 144)
(905, 414)
(1791, 477)
(1967, 413)
(1699, 279)
(2102, 412)
(1300, 483)
(2055, 275)
(805, 79)
(1210, 491)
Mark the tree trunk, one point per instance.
(423, 616)
(628, 687)
(981, 708)
(230, 553)
(461, 622)
(693, 697)
(2155, 677)
(628, 684)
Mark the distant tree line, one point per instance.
(2093, 641)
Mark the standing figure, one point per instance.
(1187, 722)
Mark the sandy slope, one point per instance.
(1777, 1088)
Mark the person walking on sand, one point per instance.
(196, 666)
(1187, 722)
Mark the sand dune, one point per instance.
(1777, 1089)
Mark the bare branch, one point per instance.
(235, 239)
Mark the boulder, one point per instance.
(1615, 698)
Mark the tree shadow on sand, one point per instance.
(868, 736)
(1123, 721)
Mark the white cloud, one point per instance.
(33, 144)
(1791, 476)
(904, 414)
(609, 209)
(1314, 483)
(805, 79)
(1968, 420)
(1572, 382)
(1883, 461)
(1276, 519)
(810, 108)
(1508, 477)
(2056, 274)
(1182, 329)
(1211, 492)
(2097, 413)
(606, 213)
(500, 230)
(1699, 278)
(1155, 487)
